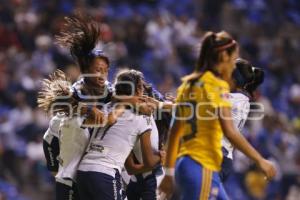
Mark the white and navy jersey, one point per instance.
(157, 172)
(111, 145)
(137, 149)
(240, 110)
(162, 119)
(53, 129)
(51, 143)
(73, 142)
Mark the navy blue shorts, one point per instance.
(51, 152)
(227, 167)
(145, 187)
(66, 192)
(99, 186)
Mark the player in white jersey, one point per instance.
(71, 137)
(51, 143)
(240, 110)
(246, 79)
(73, 140)
(144, 182)
(64, 143)
(91, 61)
(99, 171)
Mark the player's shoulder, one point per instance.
(212, 81)
(144, 120)
(74, 122)
(239, 97)
(144, 124)
(181, 87)
(240, 103)
(56, 119)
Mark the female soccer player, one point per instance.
(99, 171)
(203, 115)
(144, 182)
(80, 36)
(246, 79)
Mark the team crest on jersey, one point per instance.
(97, 147)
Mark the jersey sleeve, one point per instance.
(218, 94)
(244, 115)
(145, 124)
(54, 126)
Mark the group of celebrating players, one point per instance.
(107, 141)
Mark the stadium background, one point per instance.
(160, 38)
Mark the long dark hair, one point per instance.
(259, 76)
(80, 34)
(246, 76)
(243, 74)
(213, 44)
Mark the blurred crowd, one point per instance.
(160, 38)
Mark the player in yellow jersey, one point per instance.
(203, 116)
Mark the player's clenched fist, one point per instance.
(268, 168)
(166, 188)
